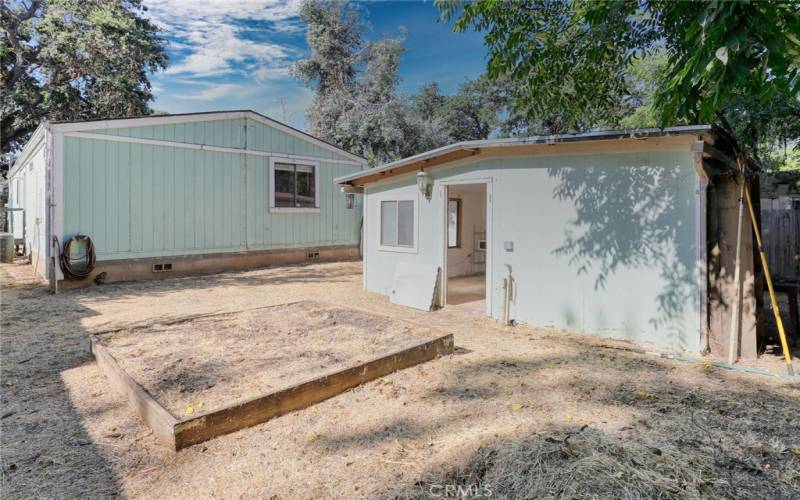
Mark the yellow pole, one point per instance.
(785, 345)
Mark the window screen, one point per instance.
(389, 223)
(397, 223)
(405, 223)
(304, 195)
(295, 186)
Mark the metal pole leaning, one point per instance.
(773, 299)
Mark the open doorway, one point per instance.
(466, 247)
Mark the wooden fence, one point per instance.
(781, 234)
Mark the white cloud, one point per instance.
(210, 36)
(265, 73)
(212, 92)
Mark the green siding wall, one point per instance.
(139, 200)
(229, 133)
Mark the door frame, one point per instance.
(444, 191)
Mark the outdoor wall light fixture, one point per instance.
(425, 183)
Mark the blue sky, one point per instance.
(235, 54)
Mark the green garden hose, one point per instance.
(78, 268)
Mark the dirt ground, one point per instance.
(514, 412)
(207, 363)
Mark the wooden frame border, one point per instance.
(156, 416)
(179, 434)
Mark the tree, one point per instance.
(645, 72)
(472, 113)
(334, 37)
(726, 61)
(72, 60)
(356, 103)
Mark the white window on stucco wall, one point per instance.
(398, 225)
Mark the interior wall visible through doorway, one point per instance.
(467, 212)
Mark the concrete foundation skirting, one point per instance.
(188, 265)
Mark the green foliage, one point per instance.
(74, 59)
(471, 113)
(357, 104)
(645, 73)
(716, 62)
(565, 76)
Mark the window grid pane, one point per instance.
(389, 223)
(405, 223)
(305, 186)
(284, 185)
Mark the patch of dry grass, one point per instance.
(203, 364)
(508, 409)
(678, 456)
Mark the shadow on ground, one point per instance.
(715, 440)
(46, 451)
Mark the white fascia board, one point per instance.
(32, 146)
(145, 121)
(306, 137)
(222, 115)
(186, 145)
(484, 145)
(410, 175)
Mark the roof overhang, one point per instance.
(523, 146)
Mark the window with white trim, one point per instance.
(397, 223)
(294, 185)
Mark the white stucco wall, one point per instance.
(603, 243)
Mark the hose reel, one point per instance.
(80, 267)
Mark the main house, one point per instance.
(182, 194)
(626, 234)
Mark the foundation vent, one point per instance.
(312, 255)
(162, 268)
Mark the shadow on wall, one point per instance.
(632, 218)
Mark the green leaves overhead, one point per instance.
(574, 58)
(74, 59)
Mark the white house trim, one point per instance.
(701, 244)
(193, 117)
(363, 237)
(443, 190)
(439, 170)
(219, 149)
(310, 138)
(145, 121)
(31, 147)
(586, 144)
(56, 162)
